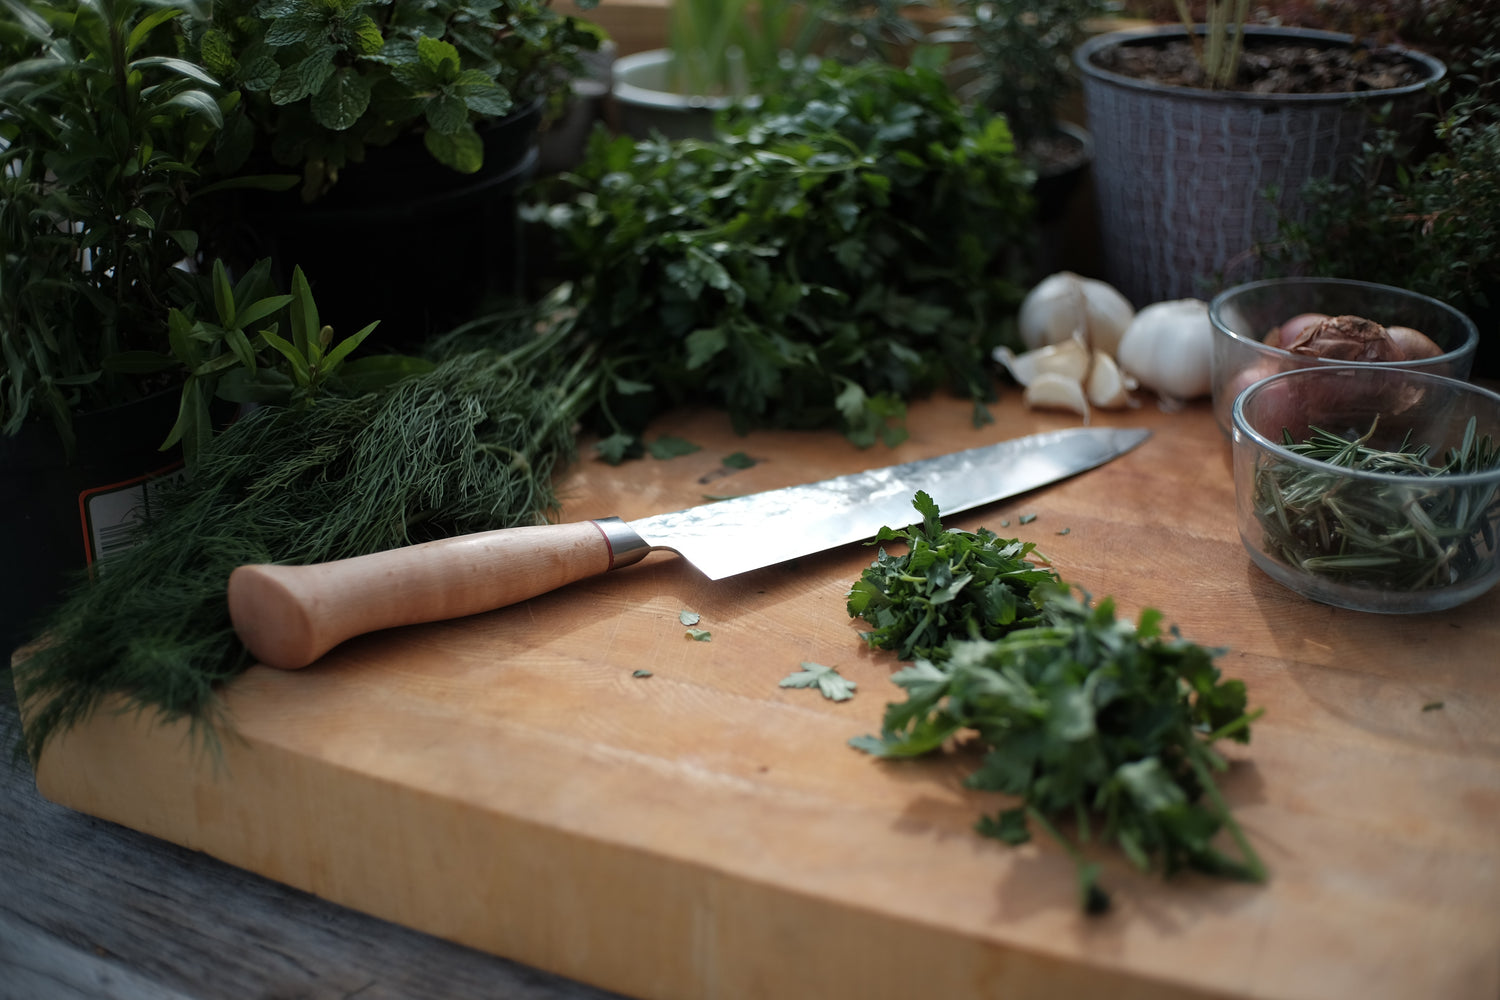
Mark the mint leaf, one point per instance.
(699, 635)
(462, 150)
(688, 617)
(342, 100)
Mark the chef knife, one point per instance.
(288, 616)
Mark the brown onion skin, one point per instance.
(1413, 344)
(1247, 377)
(1292, 329)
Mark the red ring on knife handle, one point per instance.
(625, 546)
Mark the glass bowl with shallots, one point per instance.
(1283, 324)
(1368, 487)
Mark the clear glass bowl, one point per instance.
(1368, 540)
(1243, 315)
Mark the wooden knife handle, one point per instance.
(288, 616)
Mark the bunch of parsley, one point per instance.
(950, 583)
(855, 243)
(1086, 719)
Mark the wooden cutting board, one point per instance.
(702, 833)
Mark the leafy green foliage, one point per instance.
(1420, 210)
(856, 244)
(827, 680)
(104, 132)
(469, 446)
(325, 79)
(228, 342)
(974, 585)
(1084, 718)
(1015, 57)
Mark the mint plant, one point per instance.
(325, 80)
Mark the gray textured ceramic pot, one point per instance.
(1181, 174)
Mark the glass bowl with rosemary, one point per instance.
(1282, 324)
(1371, 488)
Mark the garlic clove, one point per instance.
(1055, 391)
(1068, 358)
(1107, 387)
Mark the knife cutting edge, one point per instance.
(288, 616)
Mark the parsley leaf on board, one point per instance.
(689, 617)
(1087, 720)
(667, 446)
(699, 634)
(974, 585)
(826, 679)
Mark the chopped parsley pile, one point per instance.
(1087, 720)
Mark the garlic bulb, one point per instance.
(1066, 305)
(1168, 347)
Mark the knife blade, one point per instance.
(289, 616)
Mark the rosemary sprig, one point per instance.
(1415, 533)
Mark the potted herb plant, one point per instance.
(1195, 125)
(719, 53)
(411, 127)
(1418, 212)
(103, 130)
(1015, 57)
(724, 53)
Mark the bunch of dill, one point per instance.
(469, 446)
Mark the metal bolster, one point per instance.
(625, 546)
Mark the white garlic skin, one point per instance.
(1168, 348)
(1068, 357)
(1066, 305)
(1056, 391)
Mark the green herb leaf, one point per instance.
(667, 447)
(1080, 715)
(342, 100)
(688, 617)
(826, 679)
(699, 635)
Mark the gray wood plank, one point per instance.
(90, 909)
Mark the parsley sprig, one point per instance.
(1095, 724)
(974, 585)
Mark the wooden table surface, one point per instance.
(506, 782)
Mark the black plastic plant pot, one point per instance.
(60, 519)
(402, 239)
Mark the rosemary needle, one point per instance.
(1408, 533)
